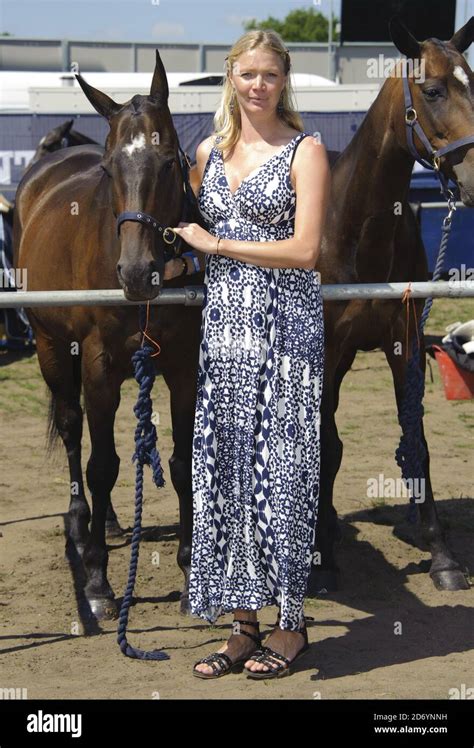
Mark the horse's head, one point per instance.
(52, 141)
(441, 84)
(142, 165)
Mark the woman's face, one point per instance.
(258, 80)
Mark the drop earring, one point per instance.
(232, 105)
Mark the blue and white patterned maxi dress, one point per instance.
(256, 450)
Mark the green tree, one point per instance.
(300, 25)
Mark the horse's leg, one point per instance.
(323, 578)
(182, 386)
(112, 525)
(62, 373)
(101, 382)
(445, 570)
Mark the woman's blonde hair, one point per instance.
(227, 124)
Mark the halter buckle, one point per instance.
(436, 163)
(169, 241)
(410, 116)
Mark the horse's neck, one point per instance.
(373, 174)
(77, 138)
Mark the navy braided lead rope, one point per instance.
(411, 451)
(145, 454)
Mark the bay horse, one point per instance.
(77, 226)
(62, 136)
(368, 240)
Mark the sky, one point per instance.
(217, 21)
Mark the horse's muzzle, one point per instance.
(141, 282)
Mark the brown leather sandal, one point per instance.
(220, 662)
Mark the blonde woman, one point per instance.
(256, 455)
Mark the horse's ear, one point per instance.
(159, 85)
(102, 103)
(404, 41)
(464, 37)
(64, 128)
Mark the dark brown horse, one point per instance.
(62, 136)
(368, 240)
(65, 234)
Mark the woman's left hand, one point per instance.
(197, 237)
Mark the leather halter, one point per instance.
(168, 235)
(411, 121)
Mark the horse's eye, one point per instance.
(169, 163)
(432, 93)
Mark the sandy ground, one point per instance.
(386, 634)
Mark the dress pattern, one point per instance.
(256, 445)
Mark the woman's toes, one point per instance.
(249, 664)
(256, 666)
(204, 668)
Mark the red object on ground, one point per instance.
(458, 383)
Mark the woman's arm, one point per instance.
(312, 186)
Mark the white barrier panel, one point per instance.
(194, 295)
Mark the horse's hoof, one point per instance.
(450, 579)
(113, 529)
(103, 608)
(322, 583)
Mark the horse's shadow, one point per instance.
(400, 627)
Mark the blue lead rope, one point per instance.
(411, 451)
(145, 454)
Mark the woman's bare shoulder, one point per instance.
(311, 146)
(310, 157)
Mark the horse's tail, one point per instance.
(53, 435)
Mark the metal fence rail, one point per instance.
(194, 295)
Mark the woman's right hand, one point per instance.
(173, 268)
